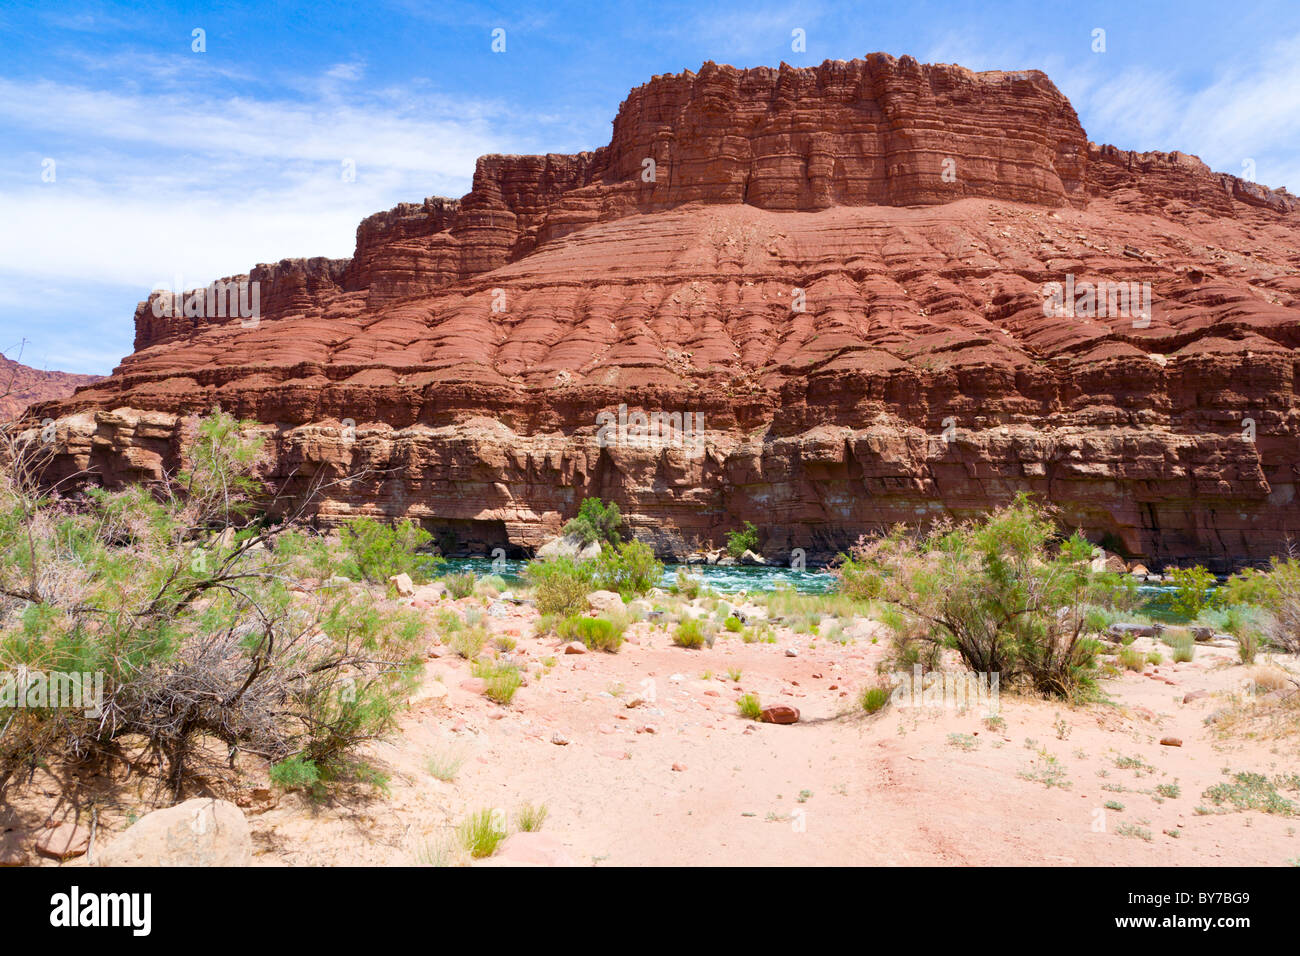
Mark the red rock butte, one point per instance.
(840, 269)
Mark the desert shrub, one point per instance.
(460, 585)
(195, 635)
(373, 551)
(561, 585)
(596, 521)
(1005, 592)
(749, 706)
(1192, 590)
(598, 633)
(1277, 592)
(746, 539)
(630, 568)
(689, 633)
(732, 624)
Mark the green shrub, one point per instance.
(630, 568)
(749, 706)
(1192, 590)
(374, 552)
(598, 633)
(689, 633)
(197, 635)
(738, 542)
(1006, 592)
(561, 585)
(732, 624)
(596, 521)
(460, 585)
(468, 642)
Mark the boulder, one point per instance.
(568, 546)
(198, 832)
(604, 601)
(750, 558)
(402, 584)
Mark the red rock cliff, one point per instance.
(841, 269)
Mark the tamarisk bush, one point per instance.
(202, 618)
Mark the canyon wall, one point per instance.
(838, 271)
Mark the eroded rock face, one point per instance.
(21, 386)
(843, 330)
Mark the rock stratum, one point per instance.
(837, 272)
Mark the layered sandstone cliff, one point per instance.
(22, 385)
(840, 269)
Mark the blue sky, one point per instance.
(171, 163)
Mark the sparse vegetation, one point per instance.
(596, 521)
(746, 539)
(529, 818)
(749, 706)
(689, 633)
(482, 832)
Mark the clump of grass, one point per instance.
(445, 764)
(749, 706)
(529, 818)
(733, 675)
(1047, 771)
(1155, 657)
(1132, 830)
(460, 585)
(1113, 805)
(732, 624)
(436, 852)
(1170, 790)
(481, 833)
(873, 699)
(1254, 791)
(468, 643)
(962, 741)
(689, 633)
(1183, 647)
(1134, 763)
(502, 682)
(598, 633)
(995, 724)
(1130, 658)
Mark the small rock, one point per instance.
(12, 851)
(498, 609)
(402, 584)
(1170, 742)
(575, 647)
(1195, 695)
(63, 842)
(679, 767)
(559, 739)
(791, 652)
(780, 714)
